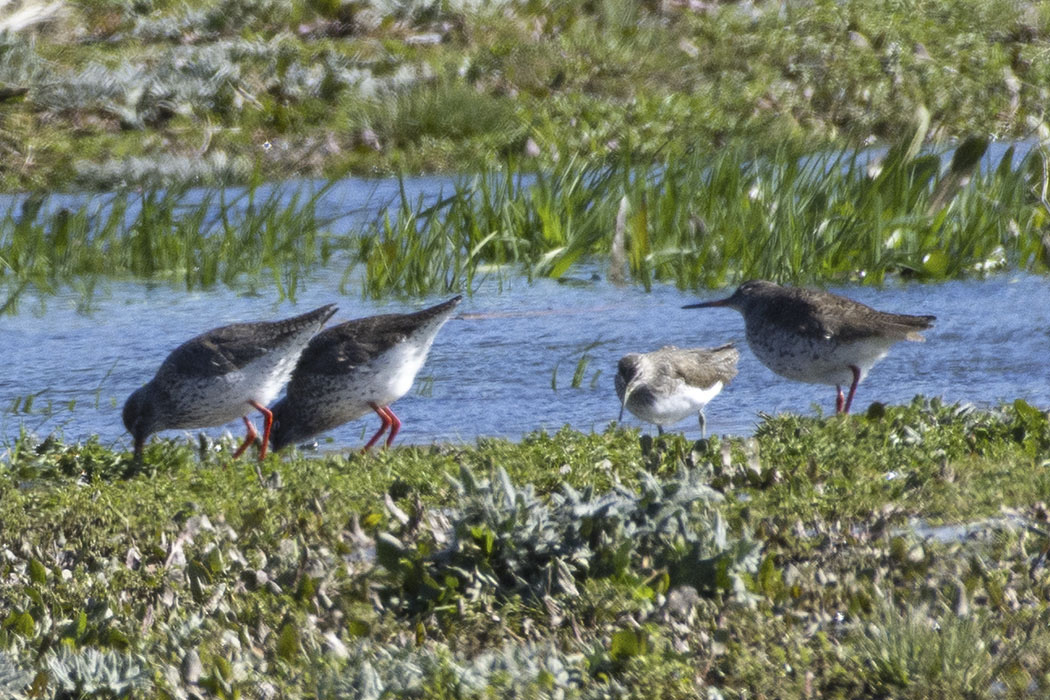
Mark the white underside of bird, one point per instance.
(384, 380)
(671, 408)
(217, 401)
(819, 361)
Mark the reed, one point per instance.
(242, 238)
(698, 221)
(706, 221)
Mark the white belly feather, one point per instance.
(670, 408)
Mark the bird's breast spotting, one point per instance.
(816, 360)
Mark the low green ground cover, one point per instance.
(799, 562)
(113, 92)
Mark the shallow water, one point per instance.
(491, 369)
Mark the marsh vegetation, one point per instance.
(781, 565)
(897, 553)
(154, 91)
(836, 217)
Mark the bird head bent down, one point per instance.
(628, 376)
(286, 430)
(280, 431)
(140, 418)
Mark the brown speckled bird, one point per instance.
(220, 375)
(357, 366)
(815, 336)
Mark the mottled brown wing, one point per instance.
(900, 326)
(229, 348)
(701, 367)
(818, 314)
(848, 320)
(341, 348)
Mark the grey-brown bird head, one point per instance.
(140, 417)
(287, 427)
(746, 297)
(628, 374)
(280, 431)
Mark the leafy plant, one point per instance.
(92, 673)
(374, 672)
(506, 540)
(13, 678)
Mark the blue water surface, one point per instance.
(504, 365)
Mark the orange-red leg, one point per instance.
(390, 421)
(840, 400)
(252, 434)
(395, 425)
(248, 439)
(383, 416)
(267, 424)
(852, 387)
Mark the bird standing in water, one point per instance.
(815, 336)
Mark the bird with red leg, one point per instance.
(818, 337)
(219, 375)
(355, 367)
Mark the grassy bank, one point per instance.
(783, 565)
(149, 92)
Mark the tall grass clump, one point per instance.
(438, 111)
(913, 654)
(704, 221)
(498, 219)
(239, 238)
